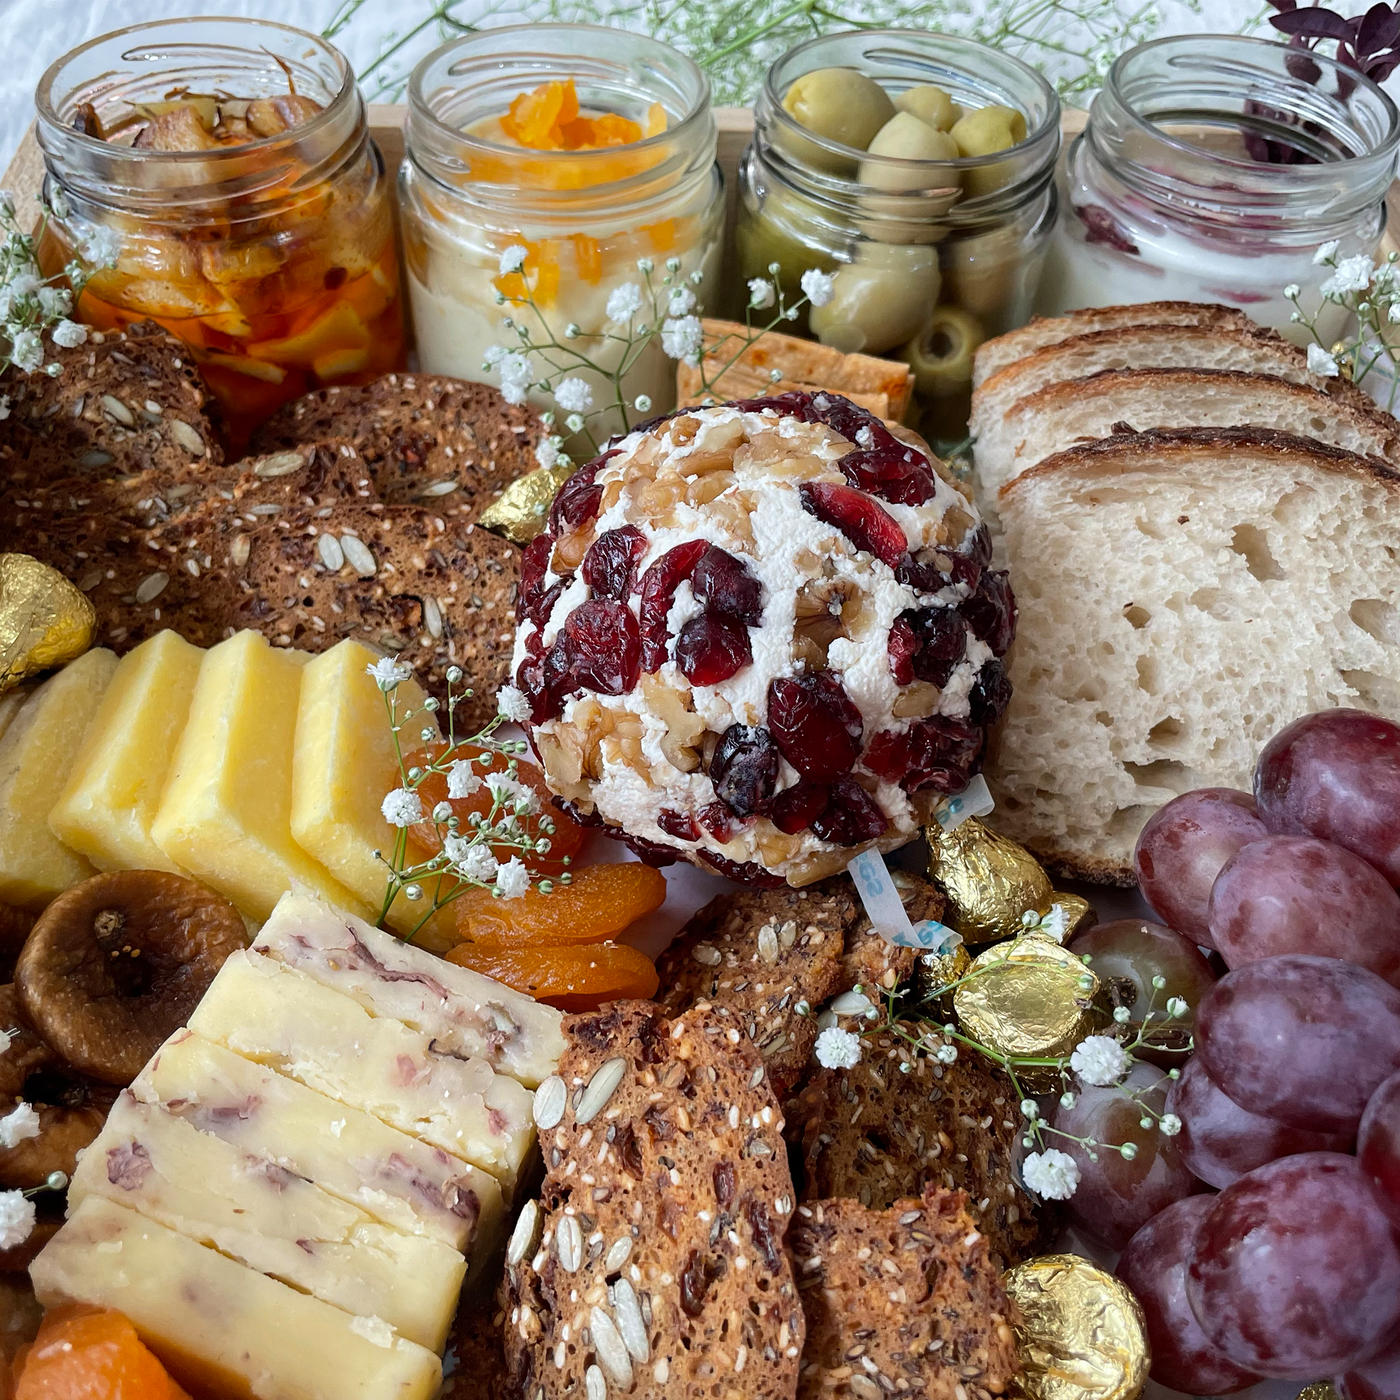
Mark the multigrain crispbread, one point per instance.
(653, 1266)
(123, 402)
(877, 1132)
(446, 443)
(755, 954)
(904, 1301)
(1183, 596)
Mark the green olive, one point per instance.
(777, 232)
(982, 132)
(993, 275)
(941, 353)
(841, 104)
(931, 105)
(905, 137)
(878, 300)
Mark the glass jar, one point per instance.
(947, 254)
(586, 217)
(273, 259)
(1211, 169)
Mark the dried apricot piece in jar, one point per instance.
(567, 836)
(572, 979)
(86, 1353)
(535, 118)
(598, 902)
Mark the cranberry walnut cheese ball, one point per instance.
(761, 636)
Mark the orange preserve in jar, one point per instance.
(217, 176)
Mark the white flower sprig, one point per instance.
(1370, 292)
(466, 857)
(32, 305)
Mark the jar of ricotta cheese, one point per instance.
(593, 150)
(1211, 169)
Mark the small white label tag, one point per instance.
(975, 800)
(886, 910)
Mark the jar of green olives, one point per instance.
(917, 170)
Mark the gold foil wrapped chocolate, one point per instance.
(521, 511)
(934, 971)
(1028, 998)
(1082, 1335)
(1079, 913)
(1318, 1390)
(988, 881)
(44, 619)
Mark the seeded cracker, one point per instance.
(755, 954)
(447, 443)
(655, 1268)
(876, 1134)
(903, 1301)
(125, 402)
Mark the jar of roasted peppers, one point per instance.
(219, 176)
(591, 149)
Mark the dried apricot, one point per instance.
(601, 901)
(573, 979)
(568, 834)
(86, 1353)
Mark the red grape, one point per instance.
(1378, 1145)
(1295, 1271)
(1141, 951)
(1182, 848)
(1336, 775)
(1220, 1141)
(1296, 894)
(1154, 1267)
(1376, 1379)
(1117, 1197)
(1301, 1039)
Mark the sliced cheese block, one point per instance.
(36, 756)
(463, 1012)
(11, 702)
(255, 1211)
(392, 1177)
(225, 813)
(344, 764)
(220, 1326)
(106, 809)
(283, 1019)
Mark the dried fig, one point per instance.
(14, 929)
(64, 1130)
(117, 963)
(18, 1259)
(25, 1054)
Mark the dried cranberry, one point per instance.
(902, 646)
(572, 809)
(745, 871)
(651, 853)
(991, 612)
(544, 704)
(935, 569)
(792, 404)
(604, 646)
(744, 769)
(710, 650)
(850, 815)
(795, 808)
(681, 825)
(579, 497)
(815, 724)
(535, 602)
(659, 585)
(936, 753)
(719, 821)
(1101, 227)
(990, 694)
(858, 517)
(727, 588)
(942, 643)
(610, 566)
(895, 474)
(978, 546)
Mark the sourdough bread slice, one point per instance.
(1183, 596)
(903, 1301)
(1043, 331)
(1064, 415)
(1255, 350)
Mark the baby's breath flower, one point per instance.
(101, 247)
(1291, 291)
(402, 807)
(946, 1054)
(27, 350)
(513, 259)
(517, 373)
(388, 673)
(1352, 275)
(472, 858)
(1052, 1175)
(511, 791)
(512, 879)
(547, 451)
(1099, 1059)
(1170, 1124)
(818, 286)
(19, 1125)
(761, 293)
(838, 1049)
(573, 395)
(681, 302)
(462, 779)
(511, 702)
(1176, 1008)
(1321, 362)
(681, 338)
(642, 403)
(1327, 252)
(16, 1219)
(69, 334)
(624, 301)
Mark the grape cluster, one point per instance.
(1290, 1106)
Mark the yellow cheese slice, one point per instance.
(392, 1177)
(344, 765)
(11, 702)
(460, 1010)
(225, 812)
(220, 1326)
(106, 809)
(255, 1211)
(36, 756)
(281, 1018)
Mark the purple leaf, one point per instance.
(1301, 66)
(1284, 5)
(1314, 23)
(1378, 30)
(1378, 70)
